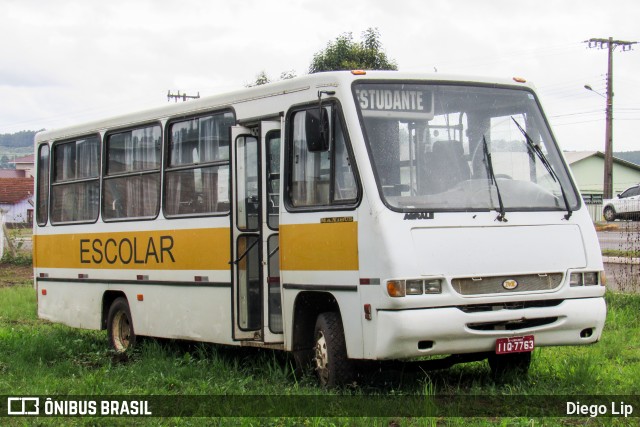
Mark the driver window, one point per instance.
(320, 178)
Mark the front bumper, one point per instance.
(403, 334)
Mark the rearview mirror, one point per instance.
(317, 129)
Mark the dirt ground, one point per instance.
(15, 275)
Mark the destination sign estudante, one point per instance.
(411, 102)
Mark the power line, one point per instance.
(555, 125)
(576, 114)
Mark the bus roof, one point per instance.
(234, 100)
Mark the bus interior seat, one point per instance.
(446, 166)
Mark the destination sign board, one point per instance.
(399, 101)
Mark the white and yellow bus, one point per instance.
(340, 216)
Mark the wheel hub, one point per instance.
(122, 331)
(322, 358)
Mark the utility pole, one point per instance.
(610, 44)
(184, 96)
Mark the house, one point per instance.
(24, 166)
(588, 170)
(17, 200)
(11, 173)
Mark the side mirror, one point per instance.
(619, 196)
(317, 130)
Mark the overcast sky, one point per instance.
(64, 62)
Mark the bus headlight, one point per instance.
(575, 279)
(414, 287)
(401, 288)
(588, 278)
(433, 286)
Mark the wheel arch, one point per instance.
(107, 299)
(307, 306)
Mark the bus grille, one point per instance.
(494, 285)
(512, 325)
(516, 305)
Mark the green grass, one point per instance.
(621, 253)
(41, 358)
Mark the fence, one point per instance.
(1, 234)
(595, 211)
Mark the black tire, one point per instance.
(609, 214)
(332, 365)
(503, 365)
(120, 326)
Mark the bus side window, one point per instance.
(132, 177)
(320, 178)
(344, 177)
(42, 207)
(273, 178)
(197, 174)
(75, 190)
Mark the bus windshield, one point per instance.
(445, 147)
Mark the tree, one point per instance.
(4, 164)
(262, 78)
(345, 54)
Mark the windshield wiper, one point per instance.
(538, 151)
(492, 178)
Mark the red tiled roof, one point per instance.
(14, 190)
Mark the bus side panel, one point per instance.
(375, 258)
(73, 304)
(199, 313)
(319, 253)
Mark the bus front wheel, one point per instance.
(120, 326)
(331, 362)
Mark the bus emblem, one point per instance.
(510, 284)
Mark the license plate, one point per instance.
(514, 345)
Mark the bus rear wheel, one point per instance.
(120, 326)
(331, 362)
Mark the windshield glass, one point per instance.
(431, 145)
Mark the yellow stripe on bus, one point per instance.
(324, 246)
(193, 249)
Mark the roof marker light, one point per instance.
(358, 72)
(519, 80)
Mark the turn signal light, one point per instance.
(396, 288)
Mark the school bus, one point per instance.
(340, 216)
